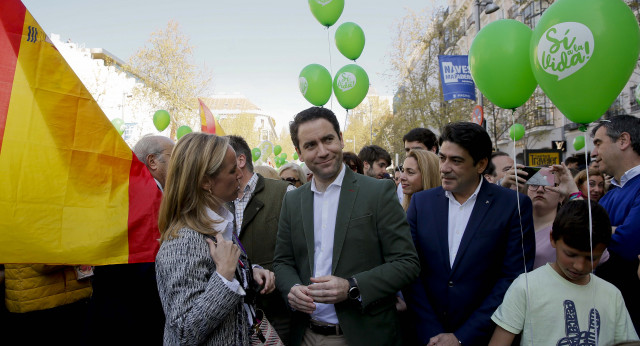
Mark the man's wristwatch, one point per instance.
(354, 291)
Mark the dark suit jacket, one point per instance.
(462, 298)
(372, 243)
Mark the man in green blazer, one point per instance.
(344, 248)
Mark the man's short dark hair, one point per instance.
(570, 160)
(422, 135)
(373, 153)
(498, 154)
(242, 148)
(572, 225)
(309, 114)
(621, 123)
(471, 136)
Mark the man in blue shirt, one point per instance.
(617, 152)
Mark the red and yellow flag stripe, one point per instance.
(71, 190)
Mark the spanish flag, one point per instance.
(209, 124)
(71, 190)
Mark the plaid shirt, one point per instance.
(240, 204)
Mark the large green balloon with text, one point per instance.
(315, 84)
(583, 53)
(351, 86)
(350, 40)
(499, 63)
(326, 12)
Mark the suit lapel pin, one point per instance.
(486, 202)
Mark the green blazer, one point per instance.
(372, 243)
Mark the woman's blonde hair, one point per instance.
(184, 202)
(429, 167)
(296, 168)
(266, 171)
(581, 177)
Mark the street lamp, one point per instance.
(490, 8)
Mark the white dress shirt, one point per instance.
(628, 175)
(325, 210)
(459, 215)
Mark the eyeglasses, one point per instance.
(291, 181)
(546, 188)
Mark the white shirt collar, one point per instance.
(222, 221)
(336, 182)
(451, 197)
(628, 175)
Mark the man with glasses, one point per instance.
(617, 152)
(256, 211)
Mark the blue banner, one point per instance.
(456, 77)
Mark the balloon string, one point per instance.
(524, 259)
(593, 269)
(330, 65)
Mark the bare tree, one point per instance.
(173, 81)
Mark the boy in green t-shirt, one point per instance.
(567, 305)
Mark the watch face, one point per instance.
(354, 293)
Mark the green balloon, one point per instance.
(119, 125)
(499, 63)
(583, 53)
(351, 86)
(314, 82)
(326, 12)
(295, 155)
(516, 132)
(183, 130)
(283, 156)
(277, 150)
(578, 143)
(266, 148)
(161, 119)
(350, 40)
(255, 154)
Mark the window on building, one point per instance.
(633, 101)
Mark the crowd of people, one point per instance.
(463, 249)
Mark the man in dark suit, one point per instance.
(344, 247)
(256, 212)
(470, 238)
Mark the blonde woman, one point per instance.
(203, 274)
(421, 171)
(293, 174)
(595, 185)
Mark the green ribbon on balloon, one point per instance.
(516, 132)
(314, 82)
(578, 143)
(326, 12)
(351, 85)
(255, 154)
(119, 125)
(583, 53)
(499, 63)
(161, 119)
(350, 40)
(183, 130)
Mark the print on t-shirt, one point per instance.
(572, 328)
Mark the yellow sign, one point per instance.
(547, 157)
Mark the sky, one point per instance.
(254, 48)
